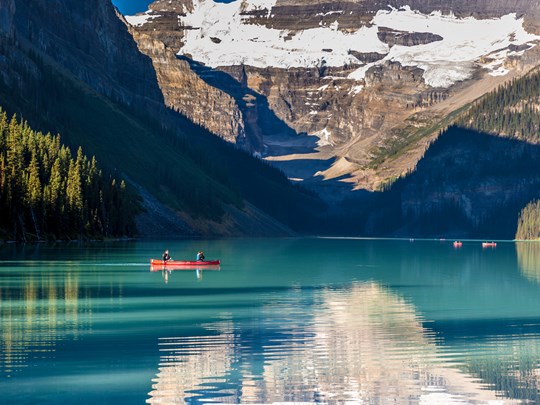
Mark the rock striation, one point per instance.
(186, 92)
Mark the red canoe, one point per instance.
(194, 263)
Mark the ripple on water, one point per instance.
(357, 345)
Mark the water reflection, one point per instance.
(44, 305)
(355, 345)
(198, 272)
(528, 254)
(36, 315)
(508, 364)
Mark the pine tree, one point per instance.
(33, 183)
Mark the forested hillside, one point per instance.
(468, 185)
(513, 110)
(529, 222)
(46, 193)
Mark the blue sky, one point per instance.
(130, 7)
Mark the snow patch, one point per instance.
(334, 78)
(259, 4)
(324, 137)
(329, 13)
(360, 73)
(254, 5)
(497, 66)
(465, 41)
(140, 19)
(259, 46)
(356, 89)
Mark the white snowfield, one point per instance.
(140, 19)
(465, 41)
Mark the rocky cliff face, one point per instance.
(361, 87)
(186, 92)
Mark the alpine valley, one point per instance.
(351, 90)
(279, 117)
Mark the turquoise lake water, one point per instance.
(283, 320)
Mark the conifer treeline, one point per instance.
(46, 193)
(529, 222)
(512, 110)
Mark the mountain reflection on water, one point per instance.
(361, 345)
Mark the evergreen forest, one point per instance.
(529, 222)
(46, 193)
(512, 110)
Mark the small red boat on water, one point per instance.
(194, 263)
(489, 244)
(457, 244)
(159, 265)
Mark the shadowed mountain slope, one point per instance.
(73, 68)
(469, 184)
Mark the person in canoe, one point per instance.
(166, 256)
(200, 256)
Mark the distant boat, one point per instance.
(489, 244)
(457, 244)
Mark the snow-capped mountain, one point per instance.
(222, 36)
(356, 89)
